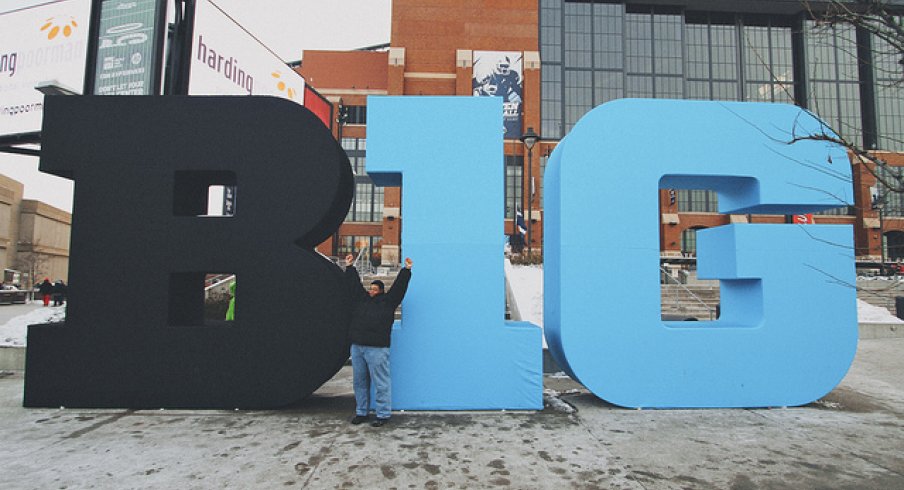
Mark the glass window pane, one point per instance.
(889, 95)
(514, 165)
(608, 85)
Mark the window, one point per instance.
(689, 241)
(842, 211)
(834, 91)
(355, 150)
(514, 166)
(367, 204)
(889, 95)
(768, 67)
(697, 201)
(891, 203)
(712, 60)
(893, 242)
(594, 52)
(654, 55)
(352, 244)
(551, 100)
(357, 114)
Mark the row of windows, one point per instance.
(356, 150)
(610, 53)
(352, 244)
(367, 205)
(705, 201)
(596, 52)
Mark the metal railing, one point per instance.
(668, 277)
(363, 263)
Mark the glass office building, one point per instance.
(594, 52)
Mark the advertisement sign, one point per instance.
(40, 44)
(127, 47)
(227, 60)
(498, 73)
(318, 104)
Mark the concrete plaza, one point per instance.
(853, 438)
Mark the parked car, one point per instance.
(10, 294)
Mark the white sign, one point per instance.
(227, 60)
(39, 44)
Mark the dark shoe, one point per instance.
(359, 419)
(379, 422)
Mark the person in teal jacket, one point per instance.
(230, 313)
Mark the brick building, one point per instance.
(575, 55)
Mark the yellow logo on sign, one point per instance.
(281, 85)
(53, 29)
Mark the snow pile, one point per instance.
(12, 334)
(867, 313)
(551, 399)
(526, 282)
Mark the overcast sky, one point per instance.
(287, 27)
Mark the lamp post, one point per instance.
(341, 119)
(529, 138)
(878, 203)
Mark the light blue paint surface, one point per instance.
(788, 331)
(453, 350)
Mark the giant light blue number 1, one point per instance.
(788, 330)
(453, 349)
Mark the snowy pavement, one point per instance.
(849, 439)
(13, 332)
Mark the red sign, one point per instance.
(802, 219)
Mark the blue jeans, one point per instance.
(372, 364)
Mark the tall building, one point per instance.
(34, 237)
(568, 57)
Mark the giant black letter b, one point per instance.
(135, 334)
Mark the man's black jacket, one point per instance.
(372, 317)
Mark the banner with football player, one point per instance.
(498, 73)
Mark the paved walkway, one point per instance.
(8, 312)
(851, 439)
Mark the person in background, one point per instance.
(230, 312)
(59, 292)
(46, 289)
(370, 332)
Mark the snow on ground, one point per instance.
(527, 287)
(867, 313)
(12, 334)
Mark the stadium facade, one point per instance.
(552, 61)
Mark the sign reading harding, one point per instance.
(227, 60)
(498, 73)
(40, 43)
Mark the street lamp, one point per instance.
(878, 203)
(341, 119)
(529, 138)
